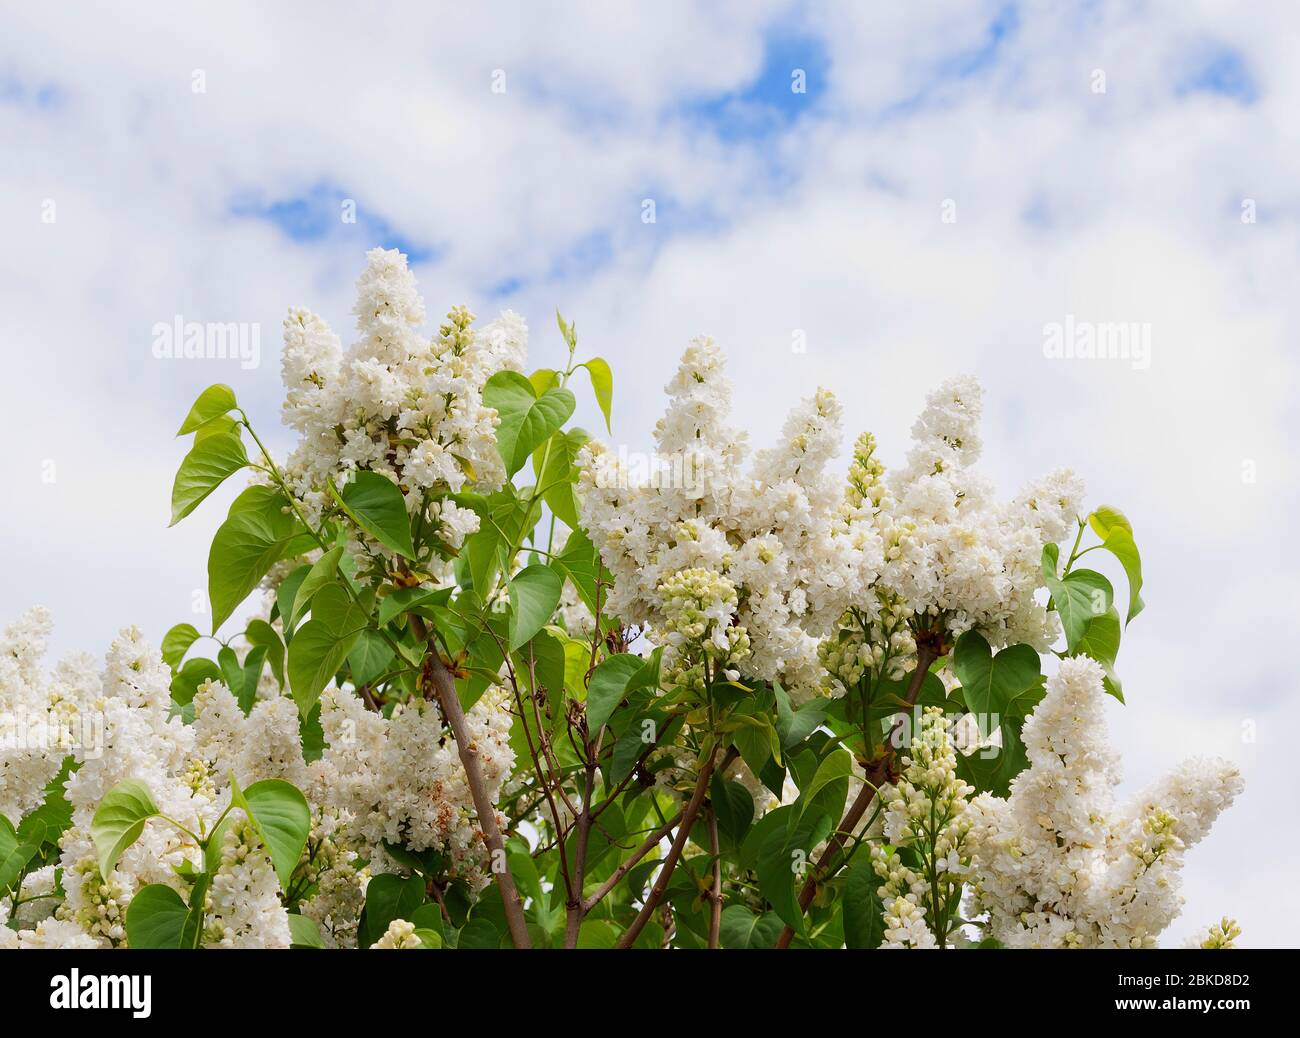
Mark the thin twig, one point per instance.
(715, 894)
(823, 870)
(675, 851)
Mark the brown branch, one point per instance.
(715, 894)
(878, 772)
(675, 851)
(444, 687)
(576, 909)
(650, 843)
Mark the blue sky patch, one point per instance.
(317, 215)
(14, 91)
(791, 79)
(1223, 71)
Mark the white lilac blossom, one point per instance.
(243, 909)
(1058, 863)
(400, 934)
(952, 550)
(396, 402)
(40, 715)
(186, 769)
(736, 572)
(1222, 934)
(926, 811)
(400, 780)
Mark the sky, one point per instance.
(869, 197)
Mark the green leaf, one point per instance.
(176, 643)
(208, 464)
(287, 594)
(783, 861)
(794, 726)
(602, 384)
(251, 677)
(742, 928)
(217, 427)
(501, 521)
(257, 498)
(1007, 686)
(212, 403)
(543, 379)
(311, 735)
(375, 503)
(546, 654)
(410, 599)
(864, 923)
(321, 573)
(994, 685)
(534, 594)
(734, 807)
(388, 897)
(1116, 533)
(191, 675)
(15, 852)
(568, 330)
(526, 419)
(119, 821)
(555, 464)
(261, 634)
(1078, 597)
(316, 654)
(245, 547)
(1100, 640)
(754, 744)
(280, 814)
(598, 934)
(829, 787)
(304, 932)
(45, 825)
(608, 686)
(337, 609)
(578, 562)
(321, 645)
(156, 918)
(369, 658)
(990, 769)
(232, 674)
(429, 915)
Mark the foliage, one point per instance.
(695, 747)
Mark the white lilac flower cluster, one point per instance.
(925, 810)
(1058, 864)
(874, 638)
(399, 779)
(400, 934)
(40, 721)
(378, 780)
(952, 550)
(396, 402)
(141, 739)
(1222, 934)
(771, 573)
(735, 572)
